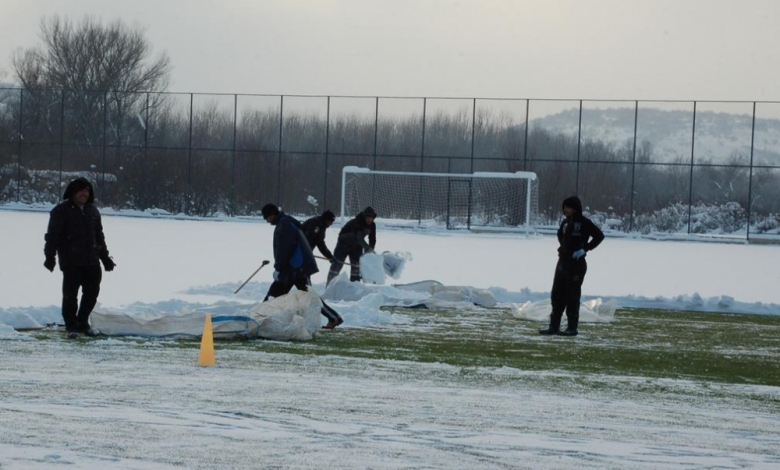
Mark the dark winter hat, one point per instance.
(329, 216)
(269, 209)
(573, 202)
(369, 212)
(77, 185)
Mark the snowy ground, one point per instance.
(112, 404)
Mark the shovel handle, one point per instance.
(322, 257)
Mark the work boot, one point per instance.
(87, 330)
(333, 324)
(568, 332)
(549, 331)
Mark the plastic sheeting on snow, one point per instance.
(450, 296)
(592, 311)
(295, 316)
(430, 294)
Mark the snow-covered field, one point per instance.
(111, 404)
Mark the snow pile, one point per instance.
(372, 268)
(591, 311)
(394, 262)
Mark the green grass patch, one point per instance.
(706, 347)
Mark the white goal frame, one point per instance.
(348, 173)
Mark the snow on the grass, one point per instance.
(166, 265)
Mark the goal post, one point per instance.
(480, 200)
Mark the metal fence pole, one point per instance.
(633, 171)
(376, 130)
(279, 158)
(105, 134)
(19, 153)
(750, 174)
(422, 163)
(473, 132)
(188, 201)
(690, 183)
(579, 142)
(525, 140)
(62, 136)
(147, 170)
(233, 157)
(327, 152)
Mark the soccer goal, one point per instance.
(482, 200)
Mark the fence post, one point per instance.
(62, 136)
(188, 201)
(690, 182)
(327, 152)
(233, 158)
(525, 140)
(422, 163)
(633, 171)
(105, 134)
(750, 175)
(279, 159)
(19, 155)
(579, 142)
(473, 132)
(376, 130)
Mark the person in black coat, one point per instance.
(352, 243)
(75, 237)
(315, 228)
(577, 235)
(294, 261)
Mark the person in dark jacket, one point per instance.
(577, 235)
(352, 243)
(75, 237)
(294, 261)
(315, 228)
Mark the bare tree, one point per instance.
(100, 71)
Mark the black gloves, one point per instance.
(50, 263)
(108, 263)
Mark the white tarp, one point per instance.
(295, 316)
(592, 311)
(430, 294)
(442, 296)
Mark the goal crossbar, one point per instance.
(451, 193)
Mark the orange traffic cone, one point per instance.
(206, 356)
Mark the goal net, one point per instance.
(481, 200)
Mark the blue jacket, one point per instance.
(293, 257)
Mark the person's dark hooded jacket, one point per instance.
(577, 231)
(354, 232)
(315, 228)
(75, 234)
(293, 258)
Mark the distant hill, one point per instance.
(719, 136)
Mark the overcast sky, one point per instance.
(589, 49)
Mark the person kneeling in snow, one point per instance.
(577, 235)
(352, 243)
(294, 262)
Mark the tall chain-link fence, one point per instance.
(647, 167)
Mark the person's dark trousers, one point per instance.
(566, 293)
(86, 278)
(340, 254)
(279, 288)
